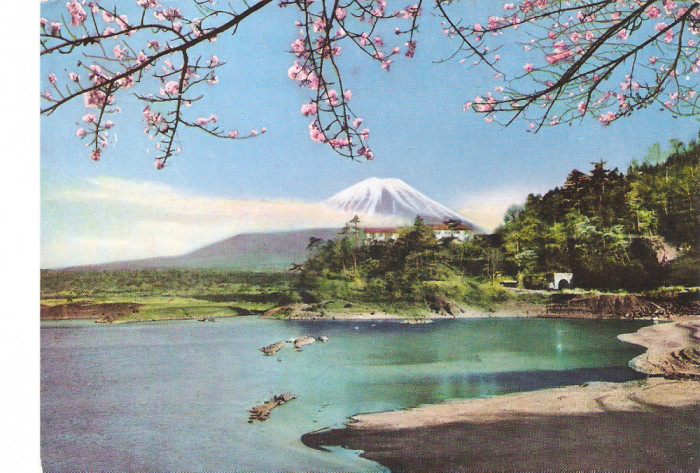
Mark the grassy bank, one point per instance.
(145, 295)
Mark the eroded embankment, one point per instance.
(673, 349)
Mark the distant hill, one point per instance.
(246, 251)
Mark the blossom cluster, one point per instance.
(114, 54)
(601, 59)
(324, 35)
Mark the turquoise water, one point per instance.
(172, 396)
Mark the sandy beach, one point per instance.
(650, 424)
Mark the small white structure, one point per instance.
(561, 281)
(458, 232)
(381, 234)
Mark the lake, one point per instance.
(171, 396)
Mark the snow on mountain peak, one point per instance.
(391, 197)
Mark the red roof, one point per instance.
(379, 230)
(442, 226)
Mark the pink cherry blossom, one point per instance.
(172, 88)
(159, 163)
(233, 134)
(606, 118)
(43, 22)
(347, 95)
(253, 133)
(528, 67)
(52, 78)
(484, 105)
(559, 55)
(80, 133)
(55, 29)
(118, 52)
(332, 99)
(95, 154)
(411, 45)
(309, 109)
(77, 13)
(315, 133)
(653, 11)
(340, 13)
(582, 107)
(89, 118)
(201, 121)
(366, 152)
(148, 3)
(356, 122)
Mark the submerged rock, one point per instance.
(272, 350)
(300, 342)
(262, 411)
(322, 339)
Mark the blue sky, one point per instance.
(418, 134)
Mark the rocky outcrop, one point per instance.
(607, 306)
(271, 350)
(262, 411)
(301, 341)
(443, 306)
(297, 311)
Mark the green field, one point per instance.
(168, 294)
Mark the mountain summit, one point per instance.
(391, 197)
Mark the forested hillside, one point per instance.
(631, 230)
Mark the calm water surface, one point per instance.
(173, 396)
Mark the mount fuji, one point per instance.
(376, 197)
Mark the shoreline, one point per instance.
(610, 306)
(648, 424)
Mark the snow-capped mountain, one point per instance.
(391, 197)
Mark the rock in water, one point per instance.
(300, 342)
(322, 339)
(271, 350)
(262, 411)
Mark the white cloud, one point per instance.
(488, 208)
(109, 219)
